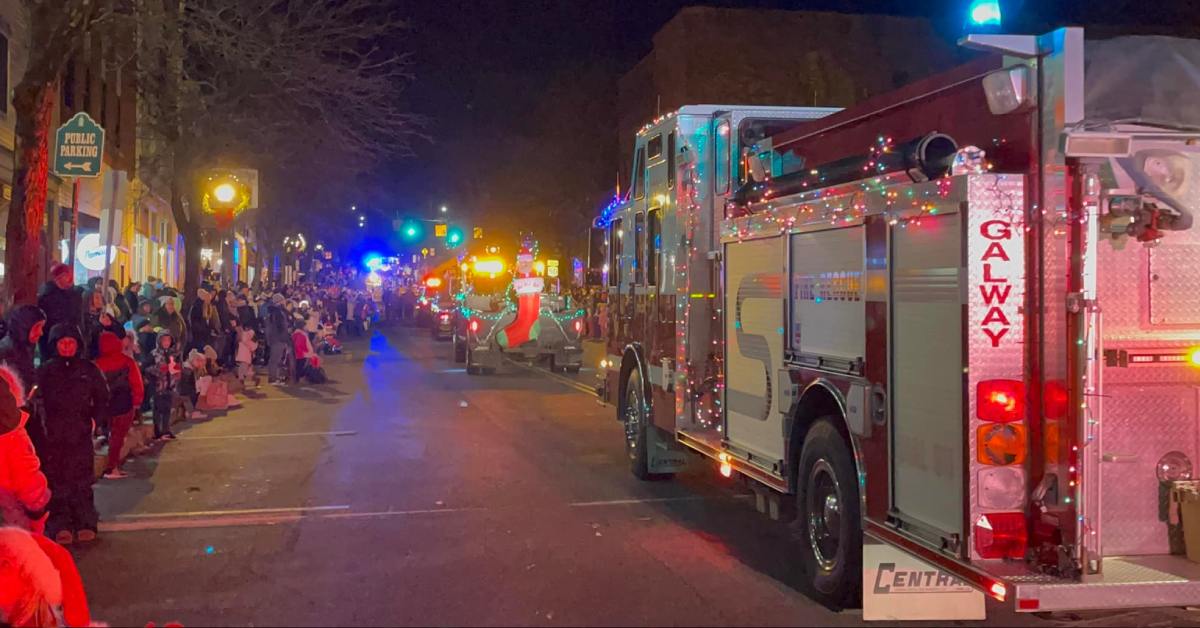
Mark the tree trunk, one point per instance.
(33, 104)
(191, 243)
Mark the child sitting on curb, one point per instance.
(188, 388)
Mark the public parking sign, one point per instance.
(78, 147)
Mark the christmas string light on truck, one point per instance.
(959, 319)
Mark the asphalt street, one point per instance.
(405, 492)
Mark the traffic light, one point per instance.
(411, 230)
(454, 237)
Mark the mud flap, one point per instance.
(897, 586)
(665, 455)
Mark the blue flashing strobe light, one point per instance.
(984, 13)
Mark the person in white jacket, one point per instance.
(245, 355)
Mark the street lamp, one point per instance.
(444, 209)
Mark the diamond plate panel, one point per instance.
(1175, 284)
(1121, 288)
(1150, 293)
(995, 272)
(1125, 582)
(1141, 423)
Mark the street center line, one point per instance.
(227, 513)
(561, 379)
(313, 398)
(259, 519)
(199, 522)
(394, 513)
(652, 500)
(219, 436)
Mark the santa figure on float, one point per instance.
(528, 286)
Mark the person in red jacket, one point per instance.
(39, 582)
(125, 393)
(24, 491)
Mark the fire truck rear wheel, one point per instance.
(636, 419)
(828, 520)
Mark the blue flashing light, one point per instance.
(373, 261)
(984, 13)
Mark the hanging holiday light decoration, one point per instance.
(225, 197)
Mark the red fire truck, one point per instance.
(962, 318)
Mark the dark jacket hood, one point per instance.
(21, 320)
(65, 330)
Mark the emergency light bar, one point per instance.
(1123, 358)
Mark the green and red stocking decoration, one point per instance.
(528, 287)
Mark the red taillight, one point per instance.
(1056, 400)
(444, 317)
(1001, 535)
(474, 326)
(578, 326)
(1000, 400)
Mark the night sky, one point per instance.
(488, 72)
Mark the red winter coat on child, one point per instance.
(112, 359)
(20, 469)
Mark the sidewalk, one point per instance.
(140, 441)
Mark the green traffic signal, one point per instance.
(454, 237)
(411, 230)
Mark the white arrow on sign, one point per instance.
(86, 167)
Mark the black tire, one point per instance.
(574, 368)
(829, 531)
(633, 409)
(460, 352)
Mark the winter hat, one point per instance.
(58, 269)
(210, 353)
(194, 355)
(278, 299)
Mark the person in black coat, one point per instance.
(25, 326)
(132, 300)
(97, 320)
(202, 321)
(73, 394)
(61, 301)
